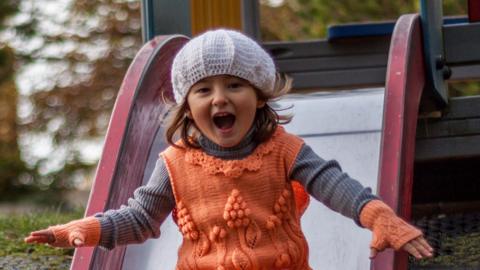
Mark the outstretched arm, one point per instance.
(139, 220)
(326, 182)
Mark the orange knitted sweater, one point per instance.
(238, 214)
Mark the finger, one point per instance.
(29, 239)
(421, 248)
(408, 247)
(424, 243)
(36, 239)
(41, 232)
(48, 234)
(373, 253)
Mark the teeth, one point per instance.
(222, 114)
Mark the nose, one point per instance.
(219, 96)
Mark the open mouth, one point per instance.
(224, 120)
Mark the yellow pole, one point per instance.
(208, 14)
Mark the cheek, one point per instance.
(250, 107)
(200, 115)
(249, 113)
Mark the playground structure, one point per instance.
(375, 133)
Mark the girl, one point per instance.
(229, 176)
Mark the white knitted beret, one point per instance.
(221, 52)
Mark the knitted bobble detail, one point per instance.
(217, 234)
(281, 210)
(272, 222)
(185, 223)
(281, 207)
(236, 212)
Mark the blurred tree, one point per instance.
(83, 48)
(11, 165)
(7, 9)
(72, 56)
(106, 35)
(92, 54)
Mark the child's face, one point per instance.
(223, 108)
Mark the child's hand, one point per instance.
(78, 233)
(391, 231)
(418, 247)
(47, 236)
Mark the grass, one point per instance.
(458, 251)
(14, 228)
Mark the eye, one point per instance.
(234, 85)
(202, 90)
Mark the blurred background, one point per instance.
(61, 65)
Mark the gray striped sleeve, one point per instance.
(326, 182)
(141, 218)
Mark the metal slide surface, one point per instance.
(345, 126)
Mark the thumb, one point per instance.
(77, 242)
(77, 239)
(373, 253)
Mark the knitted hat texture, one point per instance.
(221, 52)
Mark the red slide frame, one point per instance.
(135, 120)
(405, 82)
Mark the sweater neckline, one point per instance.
(239, 151)
(232, 167)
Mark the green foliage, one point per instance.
(455, 7)
(13, 229)
(309, 19)
(464, 252)
(458, 89)
(312, 17)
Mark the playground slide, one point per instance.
(345, 125)
(342, 125)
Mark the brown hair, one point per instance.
(266, 118)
